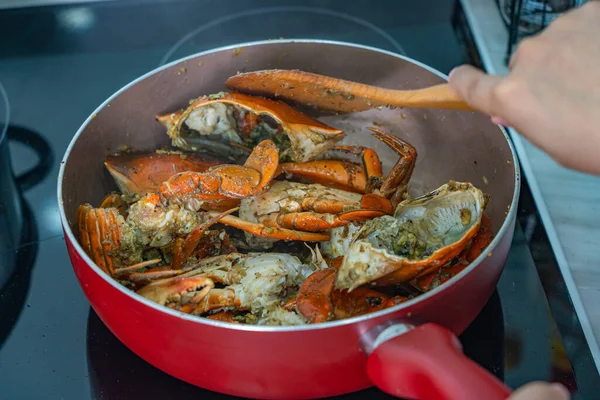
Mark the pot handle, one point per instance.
(42, 149)
(427, 363)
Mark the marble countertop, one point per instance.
(568, 201)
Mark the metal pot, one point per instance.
(409, 350)
(11, 187)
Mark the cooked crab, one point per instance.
(297, 211)
(255, 282)
(242, 120)
(319, 208)
(340, 239)
(423, 235)
(479, 243)
(136, 248)
(223, 184)
(319, 301)
(366, 177)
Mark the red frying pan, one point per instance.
(409, 350)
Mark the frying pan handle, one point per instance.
(427, 363)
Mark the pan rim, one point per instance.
(276, 329)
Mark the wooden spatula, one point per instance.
(337, 95)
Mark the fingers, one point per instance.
(476, 87)
(541, 391)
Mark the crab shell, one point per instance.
(446, 219)
(141, 173)
(308, 137)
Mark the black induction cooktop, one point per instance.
(57, 63)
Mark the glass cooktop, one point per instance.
(57, 63)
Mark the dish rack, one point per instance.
(527, 17)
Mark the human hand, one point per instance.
(552, 92)
(541, 391)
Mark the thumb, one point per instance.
(541, 391)
(475, 87)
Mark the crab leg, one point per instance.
(155, 274)
(217, 298)
(395, 185)
(225, 316)
(313, 297)
(318, 301)
(272, 232)
(324, 214)
(340, 174)
(482, 239)
(309, 221)
(135, 267)
(84, 237)
(369, 158)
(99, 231)
(132, 273)
(359, 301)
(113, 200)
(331, 206)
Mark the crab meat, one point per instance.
(256, 282)
(423, 235)
(303, 208)
(340, 239)
(117, 244)
(280, 317)
(244, 120)
(158, 224)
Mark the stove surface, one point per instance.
(59, 63)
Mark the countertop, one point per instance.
(567, 200)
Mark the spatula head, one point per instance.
(307, 89)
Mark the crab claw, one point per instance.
(318, 301)
(179, 292)
(313, 297)
(358, 302)
(305, 212)
(225, 316)
(141, 173)
(224, 117)
(264, 231)
(136, 273)
(226, 180)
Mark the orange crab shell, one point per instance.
(298, 126)
(141, 173)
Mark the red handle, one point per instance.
(427, 363)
